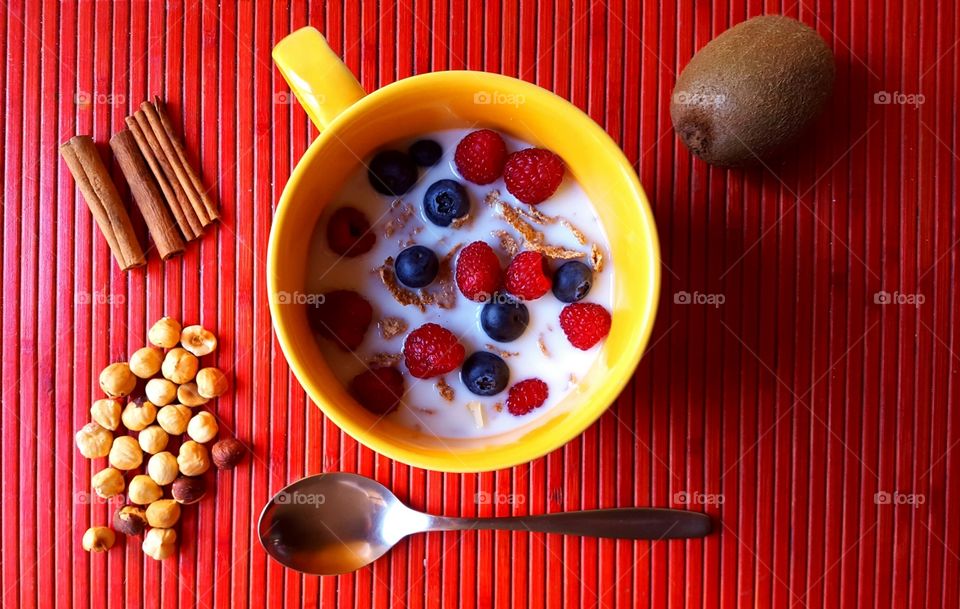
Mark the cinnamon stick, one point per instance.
(146, 194)
(93, 179)
(208, 203)
(178, 202)
(179, 174)
(168, 194)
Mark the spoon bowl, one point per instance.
(334, 523)
(330, 524)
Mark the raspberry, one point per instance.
(348, 232)
(585, 324)
(378, 390)
(526, 396)
(527, 276)
(342, 316)
(480, 156)
(478, 271)
(432, 350)
(532, 175)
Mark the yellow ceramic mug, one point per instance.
(352, 126)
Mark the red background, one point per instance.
(793, 403)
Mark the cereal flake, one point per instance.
(543, 346)
(380, 360)
(596, 258)
(576, 232)
(507, 242)
(391, 327)
(501, 352)
(445, 390)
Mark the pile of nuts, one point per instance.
(163, 390)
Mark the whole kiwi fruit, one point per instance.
(752, 91)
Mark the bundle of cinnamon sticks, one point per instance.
(165, 187)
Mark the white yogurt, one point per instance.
(422, 407)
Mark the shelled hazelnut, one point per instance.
(108, 482)
(159, 407)
(94, 441)
(116, 380)
(161, 391)
(130, 520)
(98, 539)
(125, 453)
(163, 468)
(106, 413)
(179, 366)
(188, 395)
(159, 544)
(165, 333)
(211, 383)
(137, 415)
(143, 490)
(187, 490)
(163, 513)
(202, 427)
(193, 459)
(153, 439)
(227, 453)
(145, 362)
(198, 340)
(173, 418)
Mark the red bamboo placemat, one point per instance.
(811, 417)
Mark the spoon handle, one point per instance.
(621, 523)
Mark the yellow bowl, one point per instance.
(352, 126)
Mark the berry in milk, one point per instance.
(463, 283)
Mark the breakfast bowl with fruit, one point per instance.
(463, 268)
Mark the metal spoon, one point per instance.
(337, 523)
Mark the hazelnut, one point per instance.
(145, 362)
(188, 395)
(173, 419)
(165, 333)
(153, 439)
(161, 391)
(143, 490)
(202, 427)
(106, 413)
(227, 453)
(98, 539)
(163, 514)
(180, 366)
(211, 382)
(188, 490)
(94, 441)
(163, 468)
(198, 340)
(125, 453)
(193, 459)
(137, 415)
(108, 482)
(116, 380)
(130, 520)
(159, 543)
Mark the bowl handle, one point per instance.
(323, 84)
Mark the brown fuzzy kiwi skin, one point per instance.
(752, 91)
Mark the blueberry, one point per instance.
(426, 153)
(503, 318)
(392, 172)
(485, 373)
(572, 281)
(416, 266)
(445, 201)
